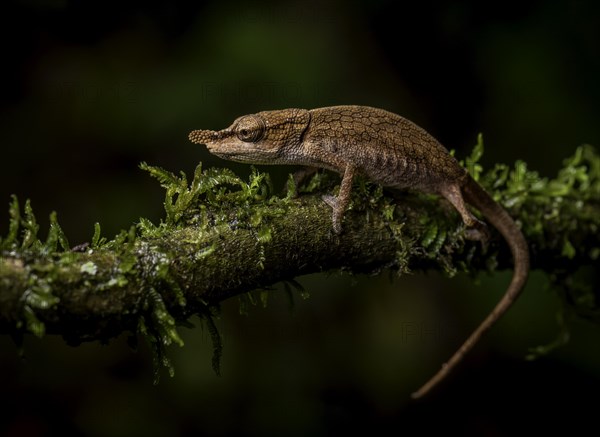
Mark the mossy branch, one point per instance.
(223, 236)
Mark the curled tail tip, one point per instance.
(418, 394)
(425, 389)
(435, 379)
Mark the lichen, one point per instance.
(89, 268)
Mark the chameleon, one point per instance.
(387, 149)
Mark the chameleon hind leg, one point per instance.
(477, 230)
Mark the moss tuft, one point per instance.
(149, 265)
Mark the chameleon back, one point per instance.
(391, 150)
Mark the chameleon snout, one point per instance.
(207, 137)
(202, 136)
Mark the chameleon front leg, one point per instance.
(340, 203)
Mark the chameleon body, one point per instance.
(387, 149)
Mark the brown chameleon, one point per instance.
(385, 148)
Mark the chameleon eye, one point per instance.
(250, 129)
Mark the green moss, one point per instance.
(216, 341)
(561, 339)
(160, 333)
(471, 162)
(163, 321)
(216, 202)
(97, 240)
(155, 323)
(159, 356)
(31, 228)
(13, 224)
(37, 295)
(291, 189)
(32, 323)
(430, 235)
(558, 206)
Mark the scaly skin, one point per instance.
(387, 149)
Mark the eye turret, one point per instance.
(250, 128)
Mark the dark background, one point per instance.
(89, 89)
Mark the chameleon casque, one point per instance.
(387, 149)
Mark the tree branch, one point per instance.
(222, 237)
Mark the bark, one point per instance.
(223, 237)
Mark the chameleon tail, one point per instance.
(496, 215)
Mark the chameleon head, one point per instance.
(258, 138)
